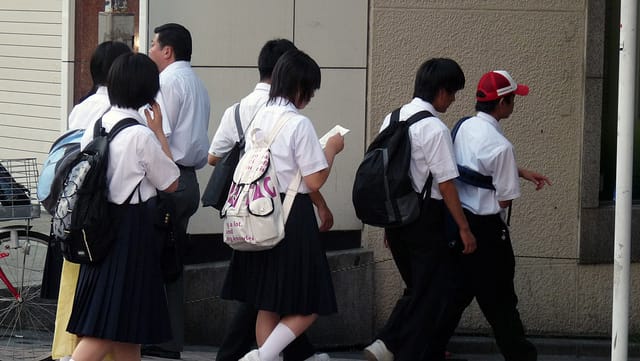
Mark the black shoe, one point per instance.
(159, 352)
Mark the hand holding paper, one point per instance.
(335, 130)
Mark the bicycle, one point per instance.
(26, 320)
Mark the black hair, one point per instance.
(435, 74)
(296, 77)
(269, 55)
(133, 81)
(489, 106)
(101, 60)
(177, 37)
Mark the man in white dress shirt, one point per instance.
(186, 106)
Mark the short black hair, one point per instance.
(133, 81)
(177, 37)
(269, 55)
(435, 74)
(490, 106)
(102, 58)
(296, 77)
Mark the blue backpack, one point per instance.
(65, 148)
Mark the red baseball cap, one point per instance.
(496, 84)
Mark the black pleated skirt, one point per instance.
(293, 278)
(122, 298)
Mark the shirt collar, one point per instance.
(263, 87)
(121, 113)
(418, 102)
(102, 90)
(491, 120)
(179, 64)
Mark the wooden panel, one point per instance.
(38, 146)
(29, 98)
(31, 28)
(12, 153)
(29, 39)
(30, 75)
(49, 124)
(30, 87)
(45, 17)
(52, 51)
(29, 63)
(30, 110)
(34, 134)
(33, 5)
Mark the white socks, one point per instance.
(279, 338)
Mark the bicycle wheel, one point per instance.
(26, 322)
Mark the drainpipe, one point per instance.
(67, 61)
(143, 26)
(624, 171)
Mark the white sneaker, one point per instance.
(319, 357)
(253, 355)
(378, 351)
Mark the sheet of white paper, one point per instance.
(337, 129)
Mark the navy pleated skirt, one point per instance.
(293, 278)
(122, 298)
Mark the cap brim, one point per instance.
(522, 90)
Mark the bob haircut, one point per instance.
(296, 77)
(177, 37)
(133, 81)
(435, 74)
(269, 55)
(103, 57)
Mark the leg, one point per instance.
(265, 324)
(241, 334)
(186, 200)
(283, 334)
(300, 349)
(498, 301)
(126, 351)
(91, 349)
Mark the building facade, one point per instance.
(369, 50)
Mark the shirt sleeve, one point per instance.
(226, 135)
(308, 152)
(159, 169)
(505, 173)
(438, 153)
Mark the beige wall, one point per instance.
(542, 44)
(227, 37)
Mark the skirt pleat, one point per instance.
(122, 298)
(291, 278)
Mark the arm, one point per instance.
(155, 124)
(452, 201)
(212, 159)
(536, 178)
(334, 146)
(326, 217)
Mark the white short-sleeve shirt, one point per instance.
(431, 148)
(90, 109)
(135, 154)
(481, 146)
(295, 148)
(187, 108)
(227, 134)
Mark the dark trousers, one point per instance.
(241, 337)
(416, 250)
(186, 199)
(487, 275)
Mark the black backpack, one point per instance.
(382, 192)
(217, 190)
(82, 222)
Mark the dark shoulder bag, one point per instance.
(217, 190)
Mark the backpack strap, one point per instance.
(239, 125)
(468, 175)
(120, 125)
(423, 114)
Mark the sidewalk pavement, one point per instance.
(470, 348)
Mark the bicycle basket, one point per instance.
(18, 181)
